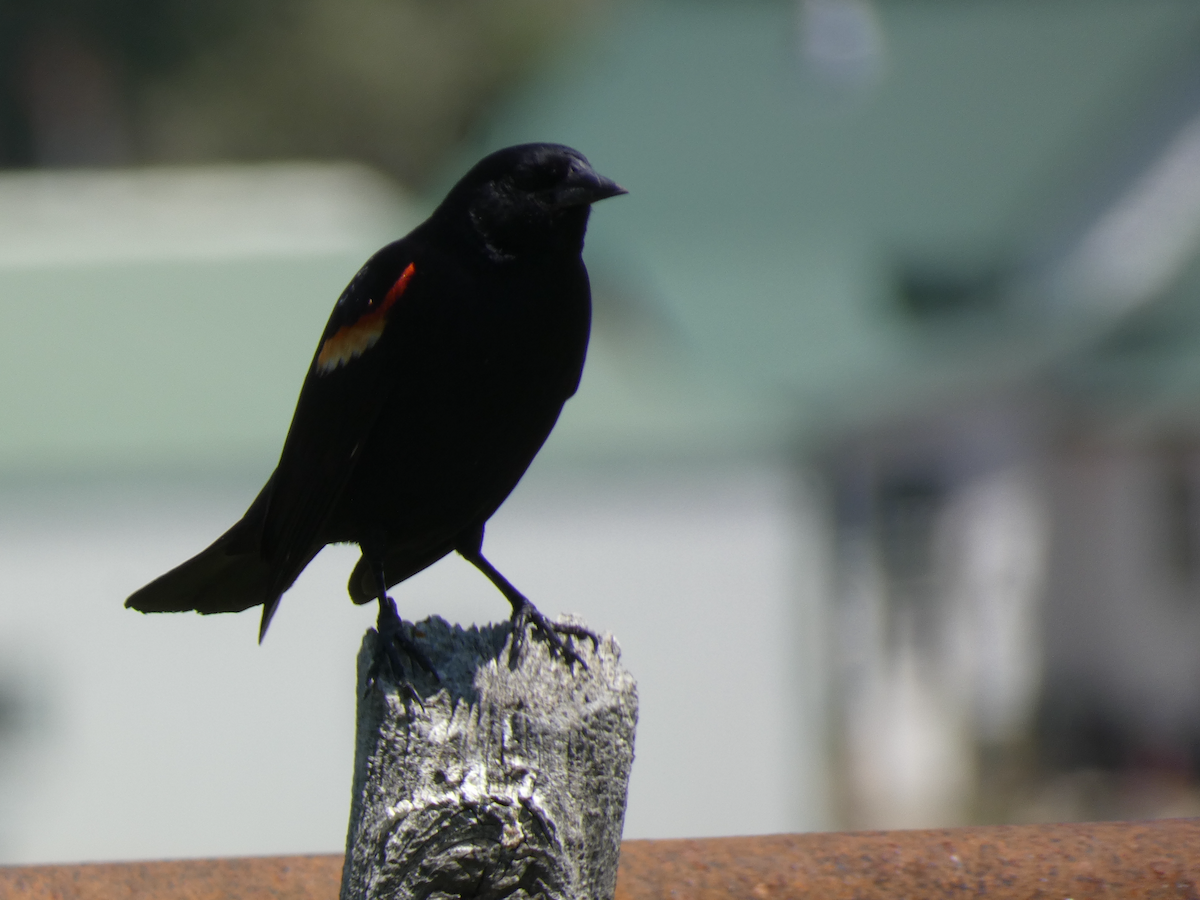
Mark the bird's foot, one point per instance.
(527, 614)
(393, 639)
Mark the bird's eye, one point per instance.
(540, 176)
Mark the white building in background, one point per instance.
(899, 217)
(944, 548)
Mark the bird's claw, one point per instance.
(392, 639)
(528, 614)
(403, 687)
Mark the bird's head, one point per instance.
(527, 199)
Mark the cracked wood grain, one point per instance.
(505, 780)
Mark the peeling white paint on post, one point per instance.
(506, 780)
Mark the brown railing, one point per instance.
(1157, 859)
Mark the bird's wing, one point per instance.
(348, 384)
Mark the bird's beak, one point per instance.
(583, 186)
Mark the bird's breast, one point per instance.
(481, 376)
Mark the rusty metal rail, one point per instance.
(1153, 860)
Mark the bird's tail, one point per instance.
(229, 576)
(218, 579)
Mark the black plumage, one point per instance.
(442, 370)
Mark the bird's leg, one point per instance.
(393, 637)
(525, 613)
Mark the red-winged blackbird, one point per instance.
(443, 367)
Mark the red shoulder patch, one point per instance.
(359, 336)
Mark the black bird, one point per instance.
(442, 370)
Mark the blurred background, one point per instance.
(885, 468)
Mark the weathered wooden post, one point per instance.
(508, 779)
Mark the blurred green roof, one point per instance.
(868, 225)
(162, 320)
(165, 318)
(839, 211)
